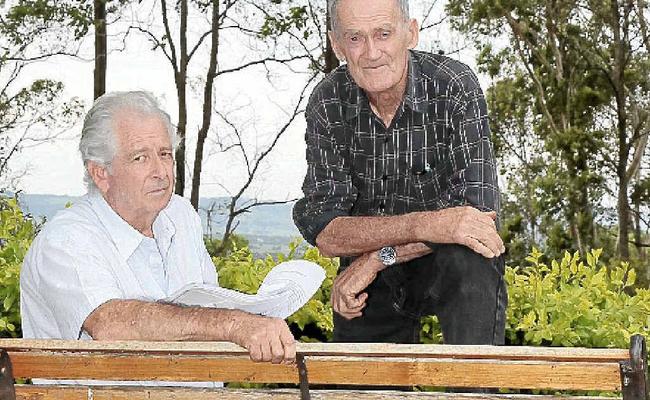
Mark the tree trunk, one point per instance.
(620, 54)
(207, 106)
(623, 220)
(181, 89)
(100, 48)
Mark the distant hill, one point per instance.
(268, 228)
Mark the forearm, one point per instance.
(348, 236)
(142, 320)
(411, 251)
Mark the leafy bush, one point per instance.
(241, 271)
(572, 303)
(16, 235)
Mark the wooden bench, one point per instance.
(319, 364)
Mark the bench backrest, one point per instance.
(329, 363)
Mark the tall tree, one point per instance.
(576, 57)
(33, 111)
(101, 50)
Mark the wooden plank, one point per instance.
(476, 373)
(330, 349)
(322, 370)
(32, 392)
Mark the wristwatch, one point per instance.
(387, 255)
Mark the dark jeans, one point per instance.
(464, 289)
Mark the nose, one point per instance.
(158, 167)
(372, 50)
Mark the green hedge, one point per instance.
(16, 234)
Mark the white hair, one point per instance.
(98, 143)
(332, 8)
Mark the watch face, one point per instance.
(387, 255)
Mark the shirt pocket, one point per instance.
(429, 177)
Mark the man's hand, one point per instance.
(466, 226)
(347, 298)
(265, 338)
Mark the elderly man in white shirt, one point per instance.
(97, 269)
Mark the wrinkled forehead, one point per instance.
(133, 128)
(364, 15)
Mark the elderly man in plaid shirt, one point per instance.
(402, 185)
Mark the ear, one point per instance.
(414, 33)
(99, 174)
(336, 46)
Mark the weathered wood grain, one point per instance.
(331, 349)
(322, 370)
(30, 392)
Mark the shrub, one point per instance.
(573, 303)
(16, 234)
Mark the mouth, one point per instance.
(158, 191)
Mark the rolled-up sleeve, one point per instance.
(473, 180)
(328, 190)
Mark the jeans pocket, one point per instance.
(396, 281)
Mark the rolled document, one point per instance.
(286, 288)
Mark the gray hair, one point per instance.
(332, 8)
(98, 142)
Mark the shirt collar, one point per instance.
(414, 97)
(125, 237)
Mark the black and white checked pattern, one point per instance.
(435, 154)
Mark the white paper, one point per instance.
(286, 288)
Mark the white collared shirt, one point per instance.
(87, 255)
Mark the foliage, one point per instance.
(33, 110)
(564, 129)
(16, 234)
(234, 242)
(573, 303)
(240, 271)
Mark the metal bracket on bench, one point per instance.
(303, 378)
(7, 390)
(634, 372)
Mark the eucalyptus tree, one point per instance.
(581, 62)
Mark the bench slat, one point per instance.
(29, 392)
(322, 370)
(332, 349)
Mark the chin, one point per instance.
(377, 87)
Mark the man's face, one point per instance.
(374, 39)
(140, 181)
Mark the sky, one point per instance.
(255, 104)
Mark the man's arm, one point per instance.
(348, 298)
(461, 225)
(266, 339)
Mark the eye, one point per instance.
(385, 34)
(139, 158)
(168, 155)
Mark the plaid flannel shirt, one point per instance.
(435, 154)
